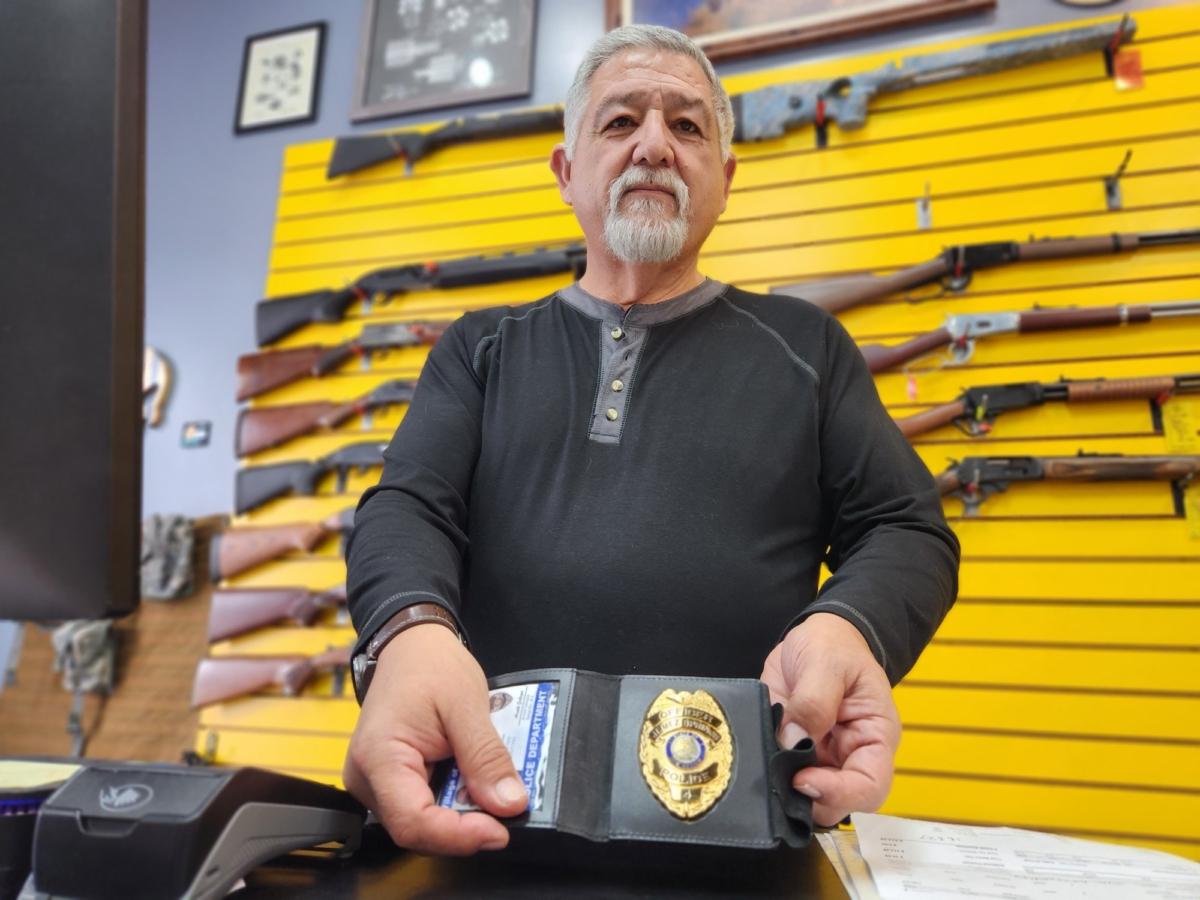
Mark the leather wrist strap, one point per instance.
(363, 664)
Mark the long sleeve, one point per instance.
(410, 530)
(893, 557)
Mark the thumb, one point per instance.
(484, 761)
(813, 703)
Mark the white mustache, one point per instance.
(639, 176)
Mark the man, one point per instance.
(640, 473)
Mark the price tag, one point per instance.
(1181, 427)
(1127, 70)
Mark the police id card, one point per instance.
(523, 715)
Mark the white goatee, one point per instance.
(643, 231)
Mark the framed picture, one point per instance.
(426, 54)
(281, 71)
(734, 28)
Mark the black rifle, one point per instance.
(275, 318)
(351, 154)
(772, 111)
(975, 478)
(258, 484)
(975, 409)
(954, 266)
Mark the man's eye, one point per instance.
(688, 125)
(621, 122)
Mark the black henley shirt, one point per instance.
(652, 490)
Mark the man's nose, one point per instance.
(654, 147)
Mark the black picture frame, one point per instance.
(281, 78)
(418, 58)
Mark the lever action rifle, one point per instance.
(275, 318)
(975, 409)
(954, 266)
(772, 111)
(237, 550)
(239, 611)
(351, 154)
(268, 426)
(270, 369)
(220, 678)
(960, 332)
(975, 478)
(258, 484)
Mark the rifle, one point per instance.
(770, 112)
(960, 332)
(975, 478)
(954, 266)
(270, 369)
(236, 550)
(238, 611)
(220, 678)
(351, 154)
(258, 484)
(275, 318)
(268, 426)
(975, 409)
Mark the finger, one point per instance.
(813, 704)
(861, 785)
(483, 759)
(405, 806)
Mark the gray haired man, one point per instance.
(643, 473)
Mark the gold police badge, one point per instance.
(686, 750)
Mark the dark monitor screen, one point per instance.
(71, 212)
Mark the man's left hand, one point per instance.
(832, 689)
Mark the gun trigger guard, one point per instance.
(957, 283)
(961, 351)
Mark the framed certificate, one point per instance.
(423, 54)
(281, 71)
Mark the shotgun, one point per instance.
(237, 550)
(220, 678)
(960, 332)
(975, 478)
(275, 318)
(265, 371)
(258, 484)
(240, 610)
(772, 111)
(954, 266)
(975, 410)
(264, 427)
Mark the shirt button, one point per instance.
(611, 414)
(618, 385)
(617, 333)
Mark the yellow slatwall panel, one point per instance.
(1063, 691)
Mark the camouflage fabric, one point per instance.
(167, 557)
(84, 651)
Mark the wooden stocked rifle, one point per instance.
(257, 484)
(241, 610)
(263, 427)
(960, 332)
(221, 678)
(262, 372)
(237, 550)
(975, 478)
(772, 111)
(954, 266)
(277, 317)
(975, 409)
(361, 151)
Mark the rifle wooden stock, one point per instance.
(262, 372)
(264, 427)
(220, 678)
(838, 294)
(880, 357)
(239, 549)
(929, 419)
(235, 612)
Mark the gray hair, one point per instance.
(643, 37)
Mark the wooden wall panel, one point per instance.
(1063, 691)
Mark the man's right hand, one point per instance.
(429, 701)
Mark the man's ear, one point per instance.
(561, 167)
(730, 167)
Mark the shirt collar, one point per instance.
(643, 313)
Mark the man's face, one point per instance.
(647, 174)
